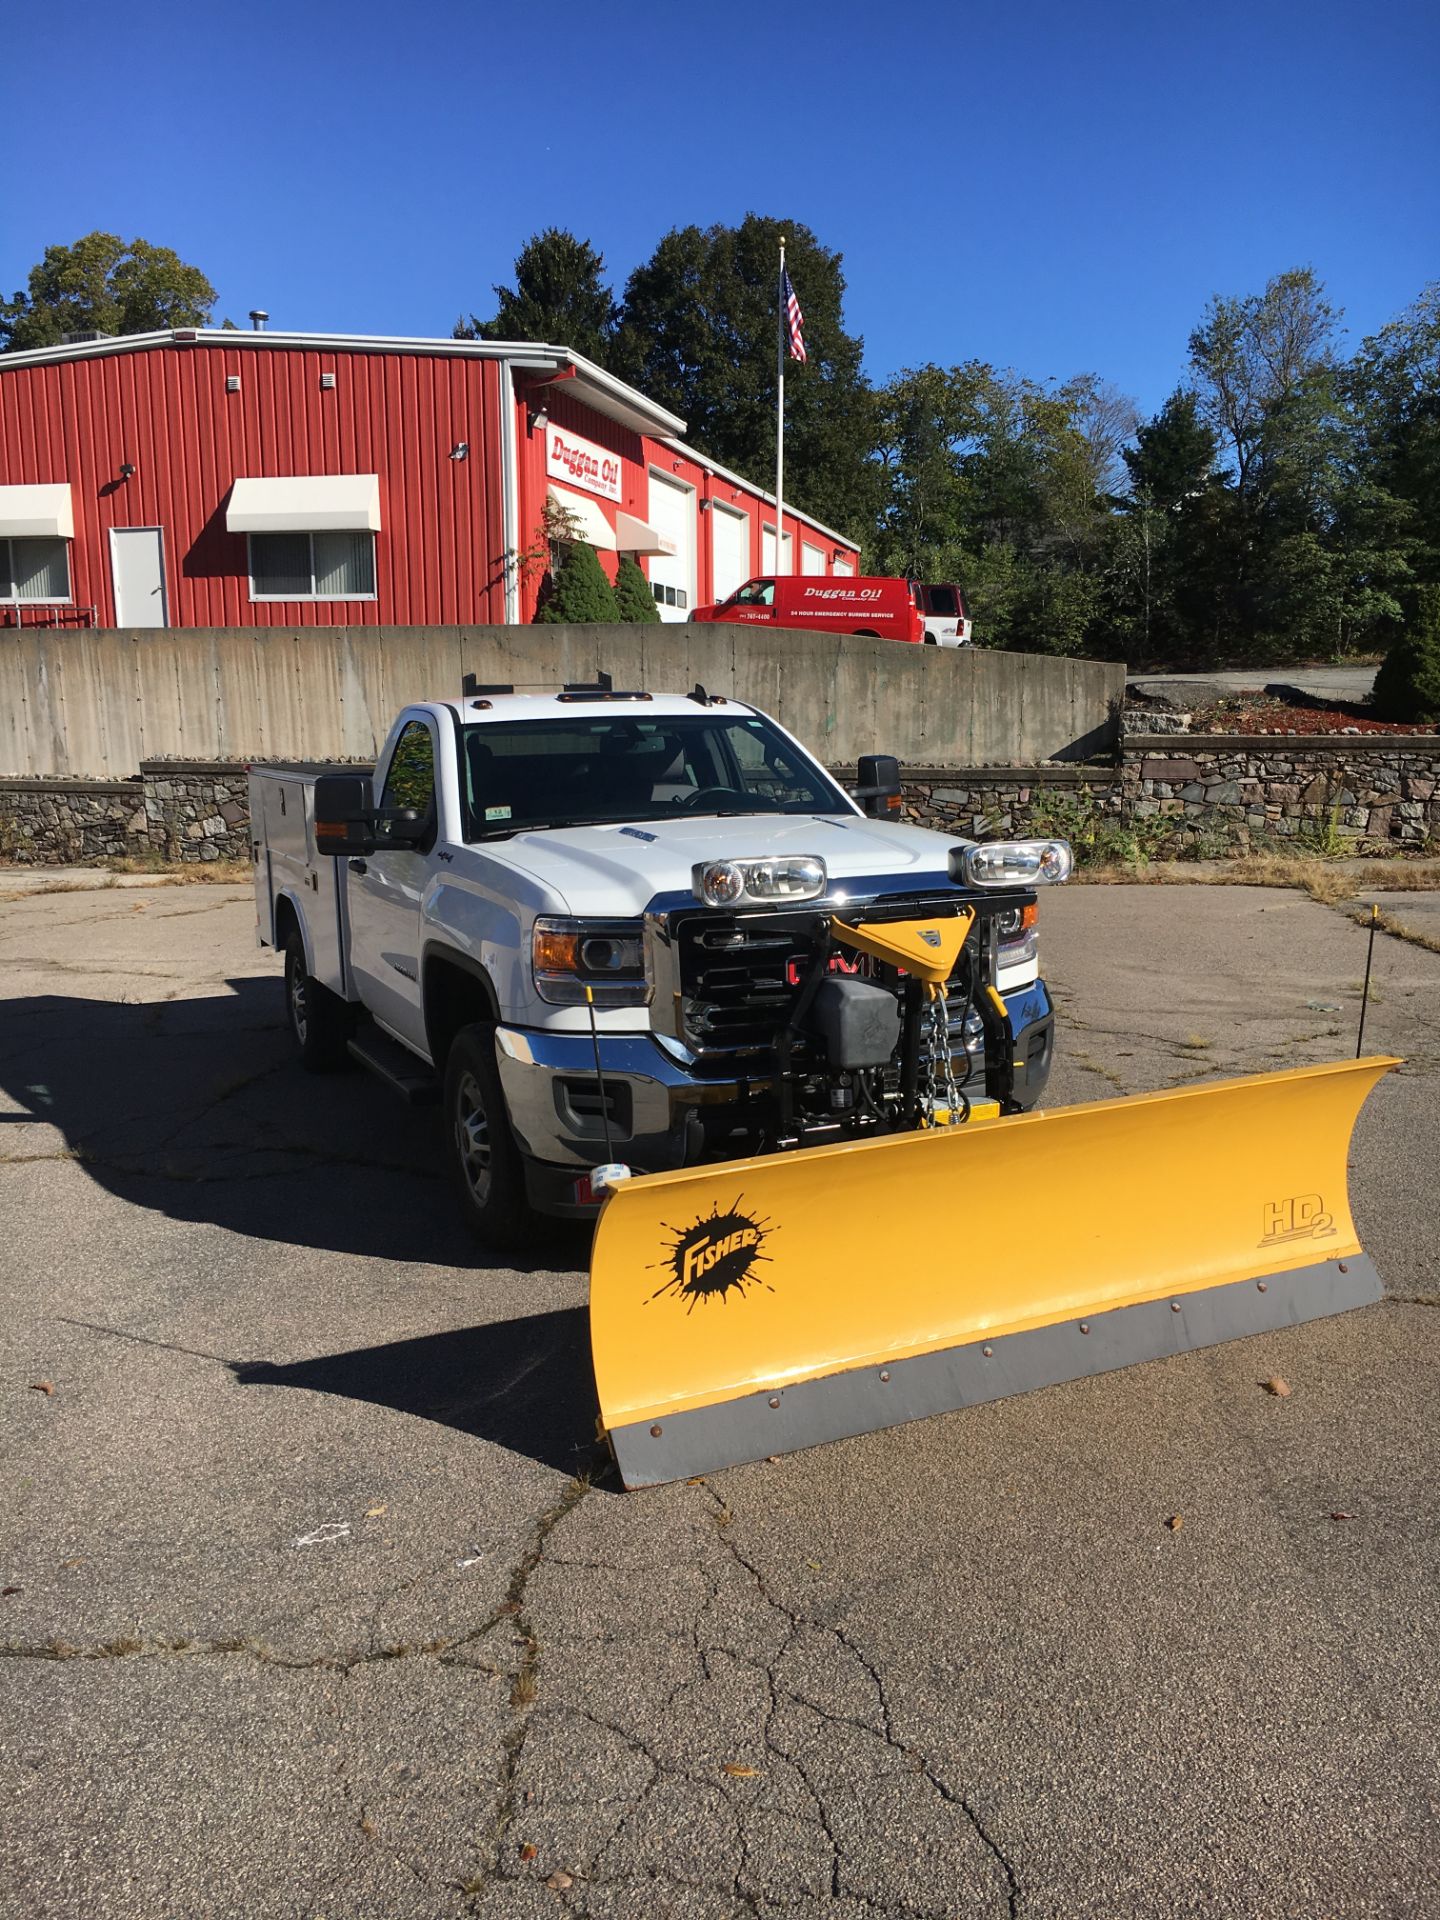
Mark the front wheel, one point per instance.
(485, 1163)
(319, 1021)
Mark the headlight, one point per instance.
(607, 956)
(754, 883)
(1012, 863)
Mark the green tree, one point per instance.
(1174, 453)
(1393, 387)
(633, 598)
(108, 285)
(699, 335)
(1407, 687)
(578, 590)
(559, 298)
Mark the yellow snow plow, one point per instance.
(749, 1308)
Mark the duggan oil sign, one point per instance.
(570, 457)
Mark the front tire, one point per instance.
(319, 1021)
(485, 1164)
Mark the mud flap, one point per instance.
(763, 1305)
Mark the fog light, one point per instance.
(759, 882)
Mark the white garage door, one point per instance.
(672, 575)
(845, 567)
(812, 559)
(767, 551)
(729, 549)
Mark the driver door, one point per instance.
(385, 890)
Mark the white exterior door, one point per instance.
(137, 565)
(673, 514)
(767, 551)
(812, 559)
(729, 549)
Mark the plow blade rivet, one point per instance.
(1343, 1267)
(1260, 1284)
(1175, 1306)
(884, 1373)
(775, 1400)
(1084, 1326)
(655, 1432)
(988, 1352)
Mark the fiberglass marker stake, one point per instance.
(1365, 995)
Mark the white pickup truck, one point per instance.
(599, 926)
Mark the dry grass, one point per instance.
(1391, 923)
(1327, 881)
(185, 873)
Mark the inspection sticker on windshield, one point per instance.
(497, 813)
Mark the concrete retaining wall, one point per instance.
(97, 704)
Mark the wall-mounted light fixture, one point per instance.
(327, 382)
(539, 419)
(704, 506)
(460, 450)
(232, 383)
(127, 472)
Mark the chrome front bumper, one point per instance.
(653, 1104)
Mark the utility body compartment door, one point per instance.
(386, 889)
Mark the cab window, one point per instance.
(754, 593)
(410, 780)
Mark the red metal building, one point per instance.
(216, 478)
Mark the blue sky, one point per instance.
(1054, 188)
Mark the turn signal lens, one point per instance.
(746, 883)
(557, 949)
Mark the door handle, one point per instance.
(358, 866)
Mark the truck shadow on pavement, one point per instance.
(197, 1109)
(524, 1384)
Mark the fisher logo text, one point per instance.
(716, 1257)
(1302, 1217)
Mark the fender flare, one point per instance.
(292, 895)
(466, 963)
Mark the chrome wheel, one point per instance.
(472, 1138)
(299, 1008)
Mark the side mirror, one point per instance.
(344, 814)
(877, 787)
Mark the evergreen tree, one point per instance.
(633, 598)
(1407, 687)
(578, 592)
(559, 298)
(699, 334)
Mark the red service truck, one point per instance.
(885, 609)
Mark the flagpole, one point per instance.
(780, 416)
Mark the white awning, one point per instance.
(586, 516)
(37, 512)
(305, 503)
(638, 536)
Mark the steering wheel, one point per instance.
(712, 794)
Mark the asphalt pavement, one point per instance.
(311, 1610)
(1327, 683)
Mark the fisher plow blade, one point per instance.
(751, 1308)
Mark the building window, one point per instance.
(312, 566)
(34, 570)
(669, 596)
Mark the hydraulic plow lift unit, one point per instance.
(744, 1309)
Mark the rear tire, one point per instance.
(485, 1163)
(320, 1022)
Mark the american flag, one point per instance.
(794, 319)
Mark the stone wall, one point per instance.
(172, 810)
(1203, 795)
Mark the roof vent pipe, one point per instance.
(258, 317)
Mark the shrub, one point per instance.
(1407, 687)
(578, 590)
(633, 596)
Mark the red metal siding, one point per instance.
(166, 411)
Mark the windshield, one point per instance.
(591, 771)
(754, 593)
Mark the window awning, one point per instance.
(305, 503)
(38, 513)
(587, 517)
(638, 536)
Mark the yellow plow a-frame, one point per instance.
(749, 1308)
